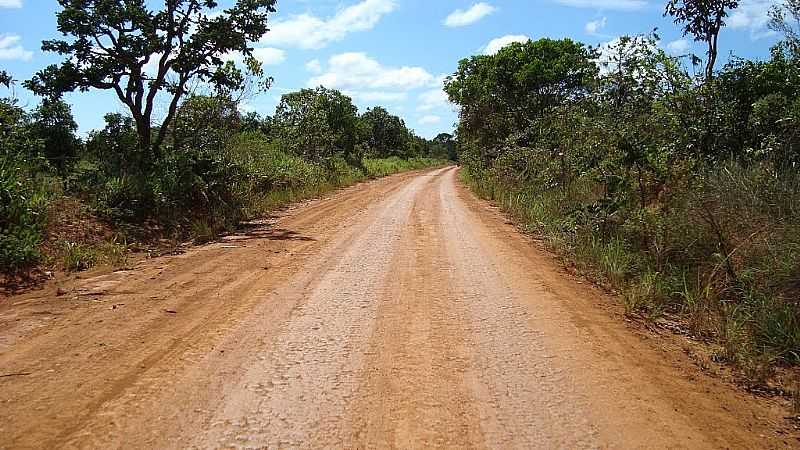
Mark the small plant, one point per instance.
(646, 294)
(202, 231)
(77, 257)
(114, 253)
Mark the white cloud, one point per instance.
(265, 55)
(622, 5)
(269, 56)
(495, 45)
(10, 3)
(377, 96)
(314, 66)
(678, 47)
(311, 32)
(593, 27)
(752, 15)
(429, 120)
(432, 99)
(476, 12)
(245, 107)
(10, 48)
(357, 71)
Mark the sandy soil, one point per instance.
(399, 313)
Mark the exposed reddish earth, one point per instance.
(402, 313)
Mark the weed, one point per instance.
(202, 231)
(114, 253)
(77, 257)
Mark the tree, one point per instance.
(447, 141)
(384, 134)
(5, 79)
(503, 93)
(317, 123)
(786, 19)
(205, 123)
(702, 19)
(52, 122)
(138, 53)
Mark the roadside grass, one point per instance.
(673, 260)
(76, 257)
(274, 179)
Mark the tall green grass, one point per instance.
(274, 178)
(669, 258)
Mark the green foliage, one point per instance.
(683, 194)
(22, 195)
(77, 257)
(384, 134)
(317, 123)
(53, 124)
(703, 20)
(109, 45)
(5, 79)
(501, 94)
(785, 19)
(445, 146)
(22, 215)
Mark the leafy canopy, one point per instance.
(384, 134)
(504, 92)
(317, 123)
(136, 52)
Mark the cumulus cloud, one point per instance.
(495, 45)
(377, 96)
(265, 55)
(593, 28)
(620, 5)
(429, 120)
(311, 32)
(10, 3)
(11, 48)
(269, 56)
(678, 47)
(314, 66)
(461, 17)
(357, 71)
(432, 99)
(752, 15)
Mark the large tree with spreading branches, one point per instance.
(147, 56)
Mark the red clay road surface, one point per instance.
(399, 313)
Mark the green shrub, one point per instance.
(23, 193)
(77, 257)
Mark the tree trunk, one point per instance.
(712, 57)
(143, 130)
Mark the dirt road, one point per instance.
(398, 313)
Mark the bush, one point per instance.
(23, 197)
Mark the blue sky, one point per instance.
(390, 52)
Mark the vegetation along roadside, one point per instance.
(679, 191)
(70, 202)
